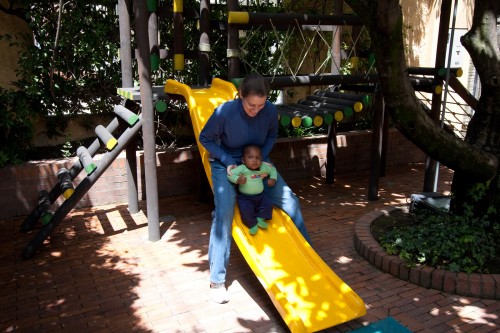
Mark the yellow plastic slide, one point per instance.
(307, 293)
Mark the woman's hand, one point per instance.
(229, 168)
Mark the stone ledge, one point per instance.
(473, 285)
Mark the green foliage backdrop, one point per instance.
(71, 67)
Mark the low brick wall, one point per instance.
(470, 285)
(179, 171)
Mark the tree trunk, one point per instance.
(474, 160)
(484, 128)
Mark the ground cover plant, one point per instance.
(455, 243)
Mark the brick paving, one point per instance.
(98, 272)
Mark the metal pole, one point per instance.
(204, 45)
(331, 153)
(376, 148)
(447, 78)
(178, 35)
(277, 82)
(430, 164)
(431, 71)
(336, 37)
(128, 82)
(233, 44)
(283, 19)
(125, 47)
(143, 59)
(154, 49)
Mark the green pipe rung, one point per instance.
(107, 138)
(86, 160)
(127, 115)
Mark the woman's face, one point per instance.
(252, 104)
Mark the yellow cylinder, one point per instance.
(179, 62)
(296, 121)
(459, 73)
(318, 121)
(358, 106)
(354, 62)
(178, 6)
(111, 143)
(68, 193)
(238, 18)
(339, 115)
(438, 89)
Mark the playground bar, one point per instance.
(239, 17)
(80, 191)
(65, 183)
(144, 68)
(457, 71)
(356, 105)
(462, 92)
(352, 97)
(425, 84)
(278, 82)
(233, 44)
(204, 44)
(107, 138)
(178, 35)
(360, 88)
(73, 172)
(431, 165)
(86, 160)
(325, 107)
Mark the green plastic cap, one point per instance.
(285, 120)
(90, 168)
(328, 118)
(348, 111)
(307, 121)
(46, 218)
(237, 81)
(160, 106)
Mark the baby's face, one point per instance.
(252, 159)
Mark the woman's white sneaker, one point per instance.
(218, 293)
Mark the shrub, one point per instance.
(454, 242)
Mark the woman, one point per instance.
(249, 119)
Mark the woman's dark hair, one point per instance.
(254, 84)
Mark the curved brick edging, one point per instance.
(474, 285)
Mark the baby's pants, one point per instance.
(253, 206)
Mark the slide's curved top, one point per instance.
(307, 293)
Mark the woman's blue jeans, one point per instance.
(222, 217)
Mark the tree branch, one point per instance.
(54, 50)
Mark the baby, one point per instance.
(255, 206)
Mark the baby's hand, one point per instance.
(263, 175)
(242, 179)
(271, 182)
